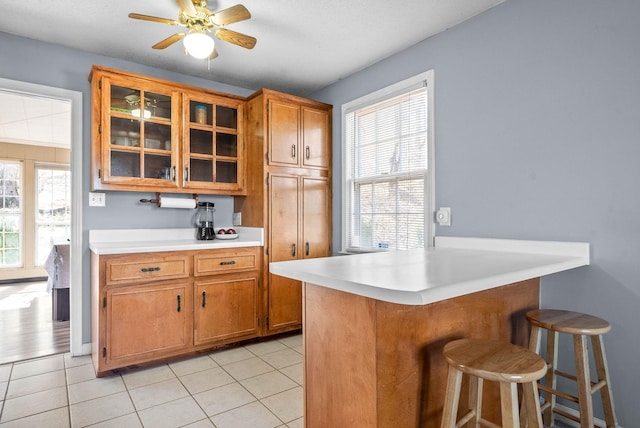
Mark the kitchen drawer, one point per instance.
(136, 268)
(224, 261)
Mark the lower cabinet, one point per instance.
(147, 321)
(225, 308)
(154, 306)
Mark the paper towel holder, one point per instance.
(158, 200)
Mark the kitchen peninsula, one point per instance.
(374, 325)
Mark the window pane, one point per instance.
(387, 168)
(10, 213)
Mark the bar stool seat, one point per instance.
(580, 326)
(494, 361)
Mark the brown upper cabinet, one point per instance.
(154, 135)
(298, 135)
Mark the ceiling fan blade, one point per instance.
(154, 19)
(214, 54)
(187, 7)
(169, 41)
(236, 38)
(233, 14)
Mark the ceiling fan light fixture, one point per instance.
(198, 44)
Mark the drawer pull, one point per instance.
(204, 298)
(178, 303)
(150, 269)
(230, 262)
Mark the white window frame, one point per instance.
(427, 78)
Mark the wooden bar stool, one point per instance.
(494, 361)
(580, 326)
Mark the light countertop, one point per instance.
(126, 241)
(452, 268)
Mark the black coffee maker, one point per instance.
(204, 221)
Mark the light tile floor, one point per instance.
(254, 386)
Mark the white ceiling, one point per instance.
(303, 45)
(34, 120)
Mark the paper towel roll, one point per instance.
(177, 203)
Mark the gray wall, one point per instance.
(31, 61)
(537, 123)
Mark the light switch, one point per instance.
(97, 199)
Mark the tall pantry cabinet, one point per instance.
(288, 192)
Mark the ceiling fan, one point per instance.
(199, 20)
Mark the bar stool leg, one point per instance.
(451, 399)
(583, 379)
(550, 379)
(509, 404)
(475, 399)
(531, 406)
(603, 375)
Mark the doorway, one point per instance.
(74, 98)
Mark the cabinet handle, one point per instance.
(307, 152)
(173, 172)
(204, 299)
(150, 269)
(178, 303)
(293, 151)
(293, 249)
(230, 262)
(306, 249)
(186, 174)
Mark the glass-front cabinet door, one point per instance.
(212, 153)
(139, 133)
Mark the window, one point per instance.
(388, 168)
(53, 213)
(10, 214)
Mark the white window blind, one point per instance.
(386, 172)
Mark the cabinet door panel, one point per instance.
(225, 309)
(145, 319)
(316, 217)
(285, 303)
(315, 138)
(283, 133)
(283, 218)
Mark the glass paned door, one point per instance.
(140, 136)
(53, 213)
(213, 152)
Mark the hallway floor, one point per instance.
(28, 329)
(252, 386)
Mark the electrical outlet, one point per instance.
(443, 216)
(97, 199)
(237, 219)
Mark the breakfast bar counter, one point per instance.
(374, 325)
